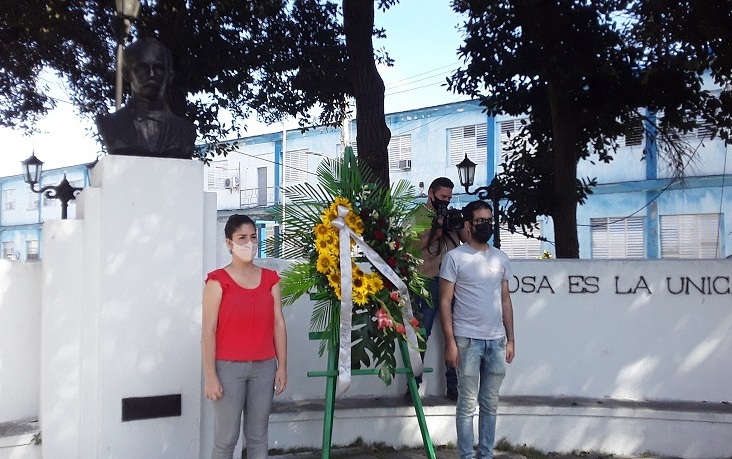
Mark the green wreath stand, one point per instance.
(331, 375)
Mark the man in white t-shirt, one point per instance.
(478, 327)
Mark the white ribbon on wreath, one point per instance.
(345, 234)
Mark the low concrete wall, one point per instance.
(608, 331)
(20, 339)
(603, 330)
(636, 330)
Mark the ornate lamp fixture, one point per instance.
(492, 192)
(64, 192)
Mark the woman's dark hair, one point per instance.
(234, 222)
(469, 210)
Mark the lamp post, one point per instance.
(492, 192)
(127, 11)
(64, 192)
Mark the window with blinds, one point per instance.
(635, 137)
(618, 237)
(703, 132)
(400, 152)
(217, 175)
(468, 140)
(509, 129)
(296, 166)
(8, 199)
(516, 245)
(32, 249)
(690, 236)
(33, 200)
(9, 250)
(704, 129)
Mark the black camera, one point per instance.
(452, 219)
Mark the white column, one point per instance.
(134, 326)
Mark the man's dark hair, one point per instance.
(441, 182)
(234, 222)
(469, 210)
(133, 51)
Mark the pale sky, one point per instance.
(421, 37)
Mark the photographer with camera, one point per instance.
(438, 229)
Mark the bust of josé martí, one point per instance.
(145, 126)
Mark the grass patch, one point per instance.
(529, 451)
(534, 453)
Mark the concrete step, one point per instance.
(20, 439)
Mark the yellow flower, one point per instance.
(328, 216)
(359, 227)
(332, 239)
(341, 201)
(326, 263)
(321, 230)
(334, 278)
(358, 282)
(374, 283)
(354, 222)
(322, 244)
(360, 297)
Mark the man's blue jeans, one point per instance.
(428, 314)
(480, 373)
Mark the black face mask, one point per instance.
(439, 203)
(483, 232)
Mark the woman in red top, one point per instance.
(244, 344)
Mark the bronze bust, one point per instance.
(145, 126)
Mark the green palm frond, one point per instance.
(402, 194)
(323, 312)
(298, 280)
(385, 212)
(306, 193)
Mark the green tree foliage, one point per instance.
(266, 57)
(216, 47)
(585, 74)
(321, 62)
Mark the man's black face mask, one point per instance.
(483, 232)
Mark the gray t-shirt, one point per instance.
(477, 275)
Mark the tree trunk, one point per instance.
(368, 87)
(564, 167)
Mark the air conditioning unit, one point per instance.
(405, 164)
(232, 183)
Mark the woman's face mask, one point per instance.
(245, 252)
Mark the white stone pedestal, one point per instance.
(121, 314)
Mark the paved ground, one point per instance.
(389, 453)
(441, 453)
(385, 452)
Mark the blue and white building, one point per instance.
(639, 209)
(22, 211)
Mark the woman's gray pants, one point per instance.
(248, 388)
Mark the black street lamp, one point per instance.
(127, 11)
(64, 192)
(492, 192)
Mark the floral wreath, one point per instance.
(377, 216)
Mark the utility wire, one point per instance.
(673, 180)
(394, 83)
